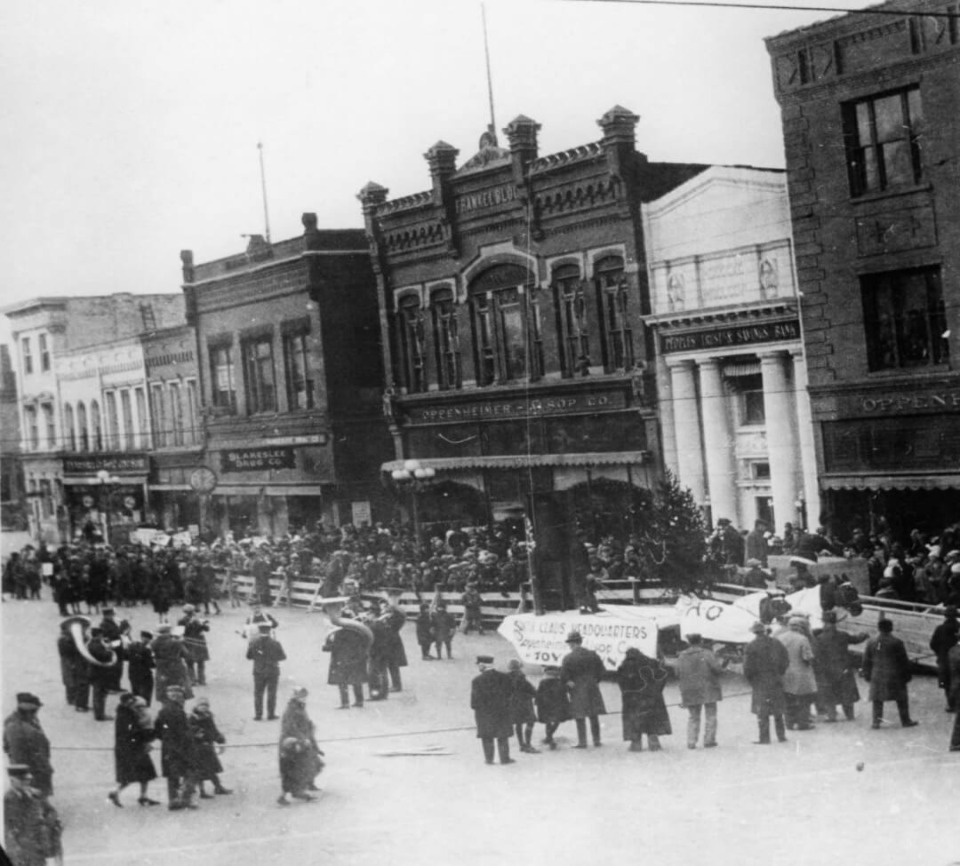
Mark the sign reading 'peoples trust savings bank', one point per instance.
(741, 335)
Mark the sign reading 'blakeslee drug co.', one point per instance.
(242, 459)
(740, 335)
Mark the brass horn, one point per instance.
(332, 608)
(75, 626)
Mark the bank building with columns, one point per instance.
(731, 377)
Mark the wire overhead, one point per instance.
(719, 4)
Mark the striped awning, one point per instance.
(890, 482)
(525, 461)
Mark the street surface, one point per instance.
(797, 803)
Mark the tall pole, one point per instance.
(263, 187)
(486, 53)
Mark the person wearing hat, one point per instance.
(755, 544)
(133, 732)
(31, 826)
(112, 633)
(195, 643)
(396, 654)
(698, 671)
(140, 666)
(522, 713)
(178, 757)
(170, 657)
(444, 626)
(755, 576)
(257, 618)
(348, 647)
(490, 701)
(764, 664)
(472, 603)
(799, 682)
(834, 668)
(74, 669)
(886, 667)
(102, 674)
(266, 653)
(301, 759)
(208, 741)
(582, 669)
(553, 703)
(945, 636)
(641, 680)
(25, 742)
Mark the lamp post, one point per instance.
(413, 475)
(106, 481)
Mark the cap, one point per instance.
(574, 637)
(551, 669)
(829, 616)
(164, 628)
(484, 660)
(108, 611)
(146, 634)
(300, 693)
(758, 628)
(515, 665)
(753, 563)
(26, 699)
(18, 770)
(885, 625)
(188, 608)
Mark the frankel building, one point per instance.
(519, 368)
(872, 138)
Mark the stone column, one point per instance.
(782, 445)
(685, 429)
(718, 443)
(808, 452)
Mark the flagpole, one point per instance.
(263, 187)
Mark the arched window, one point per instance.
(447, 339)
(84, 431)
(96, 431)
(506, 324)
(411, 338)
(70, 433)
(571, 307)
(612, 301)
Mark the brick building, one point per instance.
(512, 297)
(289, 363)
(872, 138)
(12, 502)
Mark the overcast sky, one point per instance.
(129, 129)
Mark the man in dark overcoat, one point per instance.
(112, 633)
(490, 702)
(396, 654)
(102, 675)
(886, 667)
(31, 826)
(764, 664)
(834, 667)
(581, 670)
(944, 637)
(140, 665)
(25, 742)
(74, 671)
(178, 755)
(348, 650)
(266, 653)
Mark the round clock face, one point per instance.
(203, 480)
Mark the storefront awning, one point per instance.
(267, 490)
(524, 461)
(93, 481)
(890, 482)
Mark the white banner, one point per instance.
(541, 640)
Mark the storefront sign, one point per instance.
(486, 198)
(110, 462)
(360, 513)
(243, 459)
(572, 404)
(719, 338)
(541, 640)
(910, 403)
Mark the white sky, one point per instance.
(128, 129)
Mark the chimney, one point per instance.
(619, 138)
(522, 135)
(442, 159)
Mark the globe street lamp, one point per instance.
(413, 475)
(107, 483)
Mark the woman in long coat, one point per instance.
(206, 737)
(169, 655)
(641, 680)
(300, 756)
(133, 732)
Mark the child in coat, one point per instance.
(553, 703)
(209, 741)
(522, 715)
(444, 625)
(425, 631)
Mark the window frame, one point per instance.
(296, 349)
(261, 395)
(44, 352)
(176, 413)
(613, 296)
(68, 426)
(158, 410)
(223, 399)
(570, 302)
(446, 339)
(83, 427)
(26, 355)
(31, 425)
(411, 340)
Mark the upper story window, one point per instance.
(447, 339)
(259, 376)
(296, 364)
(506, 321)
(113, 426)
(27, 355)
(883, 137)
(44, 353)
(49, 426)
(571, 305)
(96, 430)
(33, 429)
(126, 419)
(750, 405)
(69, 429)
(191, 416)
(411, 341)
(176, 415)
(141, 401)
(904, 319)
(613, 301)
(159, 409)
(82, 430)
(223, 393)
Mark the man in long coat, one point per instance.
(887, 668)
(799, 681)
(396, 654)
(582, 670)
(490, 702)
(170, 657)
(31, 827)
(74, 670)
(834, 667)
(266, 655)
(764, 664)
(698, 670)
(348, 650)
(943, 638)
(25, 742)
(178, 756)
